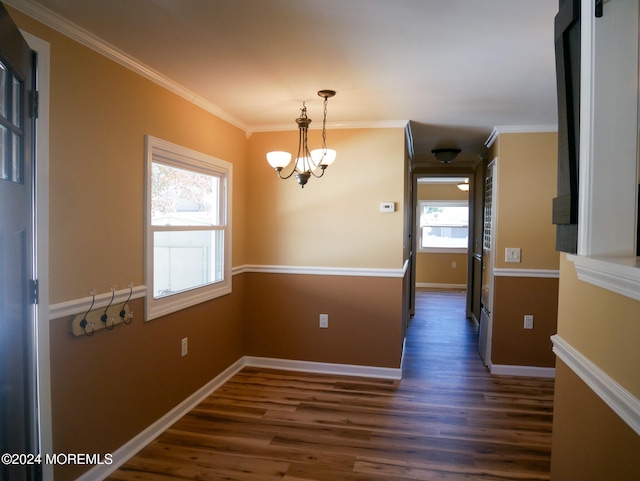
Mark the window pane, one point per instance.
(16, 158)
(450, 237)
(5, 166)
(182, 197)
(3, 90)
(443, 226)
(16, 110)
(186, 260)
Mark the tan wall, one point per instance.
(516, 297)
(527, 178)
(590, 441)
(437, 268)
(602, 325)
(365, 325)
(336, 220)
(107, 388)
(100, 113)
(526, 185)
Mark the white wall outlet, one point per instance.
(512, 254)
(528, 321)
(324, 321)
(387, 206)
(185, 346)
(454, 265)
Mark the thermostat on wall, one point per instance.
(387, 207)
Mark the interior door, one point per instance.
(18, 413)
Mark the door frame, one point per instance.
(41, 206)
(471, 175)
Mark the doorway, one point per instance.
(459, 266)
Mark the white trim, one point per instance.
(325, 368)
(372, 124)
(617, 274)
(86, 38)
(158, 150)
(43, 50)
(78, 306)
(523, 371)
(323, 271)
(438, 285)
(518, 129)
(539, 273)
(142, 439)
(621, 401)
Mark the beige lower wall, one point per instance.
(590, 441)
(108, 388)
(365, 318)
(434, 268)
(515, 297)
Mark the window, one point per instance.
(188, 228)
(443, 226)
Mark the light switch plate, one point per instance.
(512, 254)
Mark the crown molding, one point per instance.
(518, 129)
(86, 38)
(380, 124)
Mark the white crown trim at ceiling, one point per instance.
(86, 38)
(518, 129)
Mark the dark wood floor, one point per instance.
(447, 420)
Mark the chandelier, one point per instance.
(306, 163)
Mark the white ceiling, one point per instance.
(455, 68)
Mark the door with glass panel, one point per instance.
(18, 425)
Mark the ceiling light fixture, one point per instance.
(306, 163)
(445, 155)
(464, 185)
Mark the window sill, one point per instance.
(616, 274)
(443, 250)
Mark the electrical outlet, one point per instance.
(528, 322)
(185, 346)
(324, 321)
(454, 265)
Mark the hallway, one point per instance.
(447, 420)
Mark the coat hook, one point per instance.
(104, 316)
(123, 311)
(83, 322)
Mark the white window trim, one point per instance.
(179, 156)
(609, 150)
(439, 250)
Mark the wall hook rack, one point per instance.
(98, 316)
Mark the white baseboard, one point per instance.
(136, 444)
(525, 371)
(325, 368)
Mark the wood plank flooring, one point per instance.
(447, 420)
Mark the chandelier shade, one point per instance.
(307, 163)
